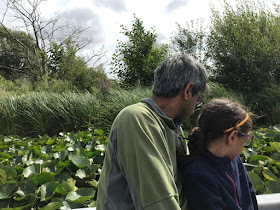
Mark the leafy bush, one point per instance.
(51, 173)
(244, 44)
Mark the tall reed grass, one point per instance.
(46, 113)
(266, 105)
(38, 113)
(117, 99)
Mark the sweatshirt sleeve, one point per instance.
(202, 191)
(145, 157)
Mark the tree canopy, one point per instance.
(135, 60)
(244, 45)
(190, 39)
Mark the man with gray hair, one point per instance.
(140, 169)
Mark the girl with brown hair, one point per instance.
(214, 177)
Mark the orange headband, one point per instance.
(238, 125)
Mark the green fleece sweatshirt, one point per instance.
(140, 169)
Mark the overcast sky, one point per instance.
(106, 16)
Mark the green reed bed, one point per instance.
(40, 113)
(114, 101)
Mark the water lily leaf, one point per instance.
(61, 155)
(23, 203)
(274, 170)
(26, 187)
(6, 190)
(5, 155)
(64, 177)
(277, 138)
(69, 205)
(248, 154)
(50, 142)
(71, 148)
(79, 161)
(93, 183)
(100, 147)
(257, 158)
(277, 127)
(275, 156)
(81, 173)
(269, 175)
(52, 205)
(273, 186)
(31, 170)
(81, 195)
(277, 164)
(3, 176)
(65, 187)
(275, 146)
(92, 204)
(257, 183)
(43, 178)
(47, 190)
(46, 149)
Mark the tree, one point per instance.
(64, 64)
(135, 60)
(17, 54)
(190, 39)
(244, 45)
(44, 32)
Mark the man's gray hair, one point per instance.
(175, 72)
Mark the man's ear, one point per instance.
(188, 90)
(232, 137)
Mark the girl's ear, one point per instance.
(232, 137)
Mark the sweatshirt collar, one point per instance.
(152, 104)
(225, 161)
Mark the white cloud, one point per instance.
(116, 5)
(174, 4)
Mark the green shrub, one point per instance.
(244, 44)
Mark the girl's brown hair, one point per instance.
(217, 116)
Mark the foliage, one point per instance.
(66, 70)
(191, 39)
(63, 172)
(65, 65)
(244, 44)
(39, 113)
(27, 16)
(51, 173)
(135, 60)
(17, 54)
(58, 108)
(263, 160)
(19, 86)
(265, 105)
(117, 99)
